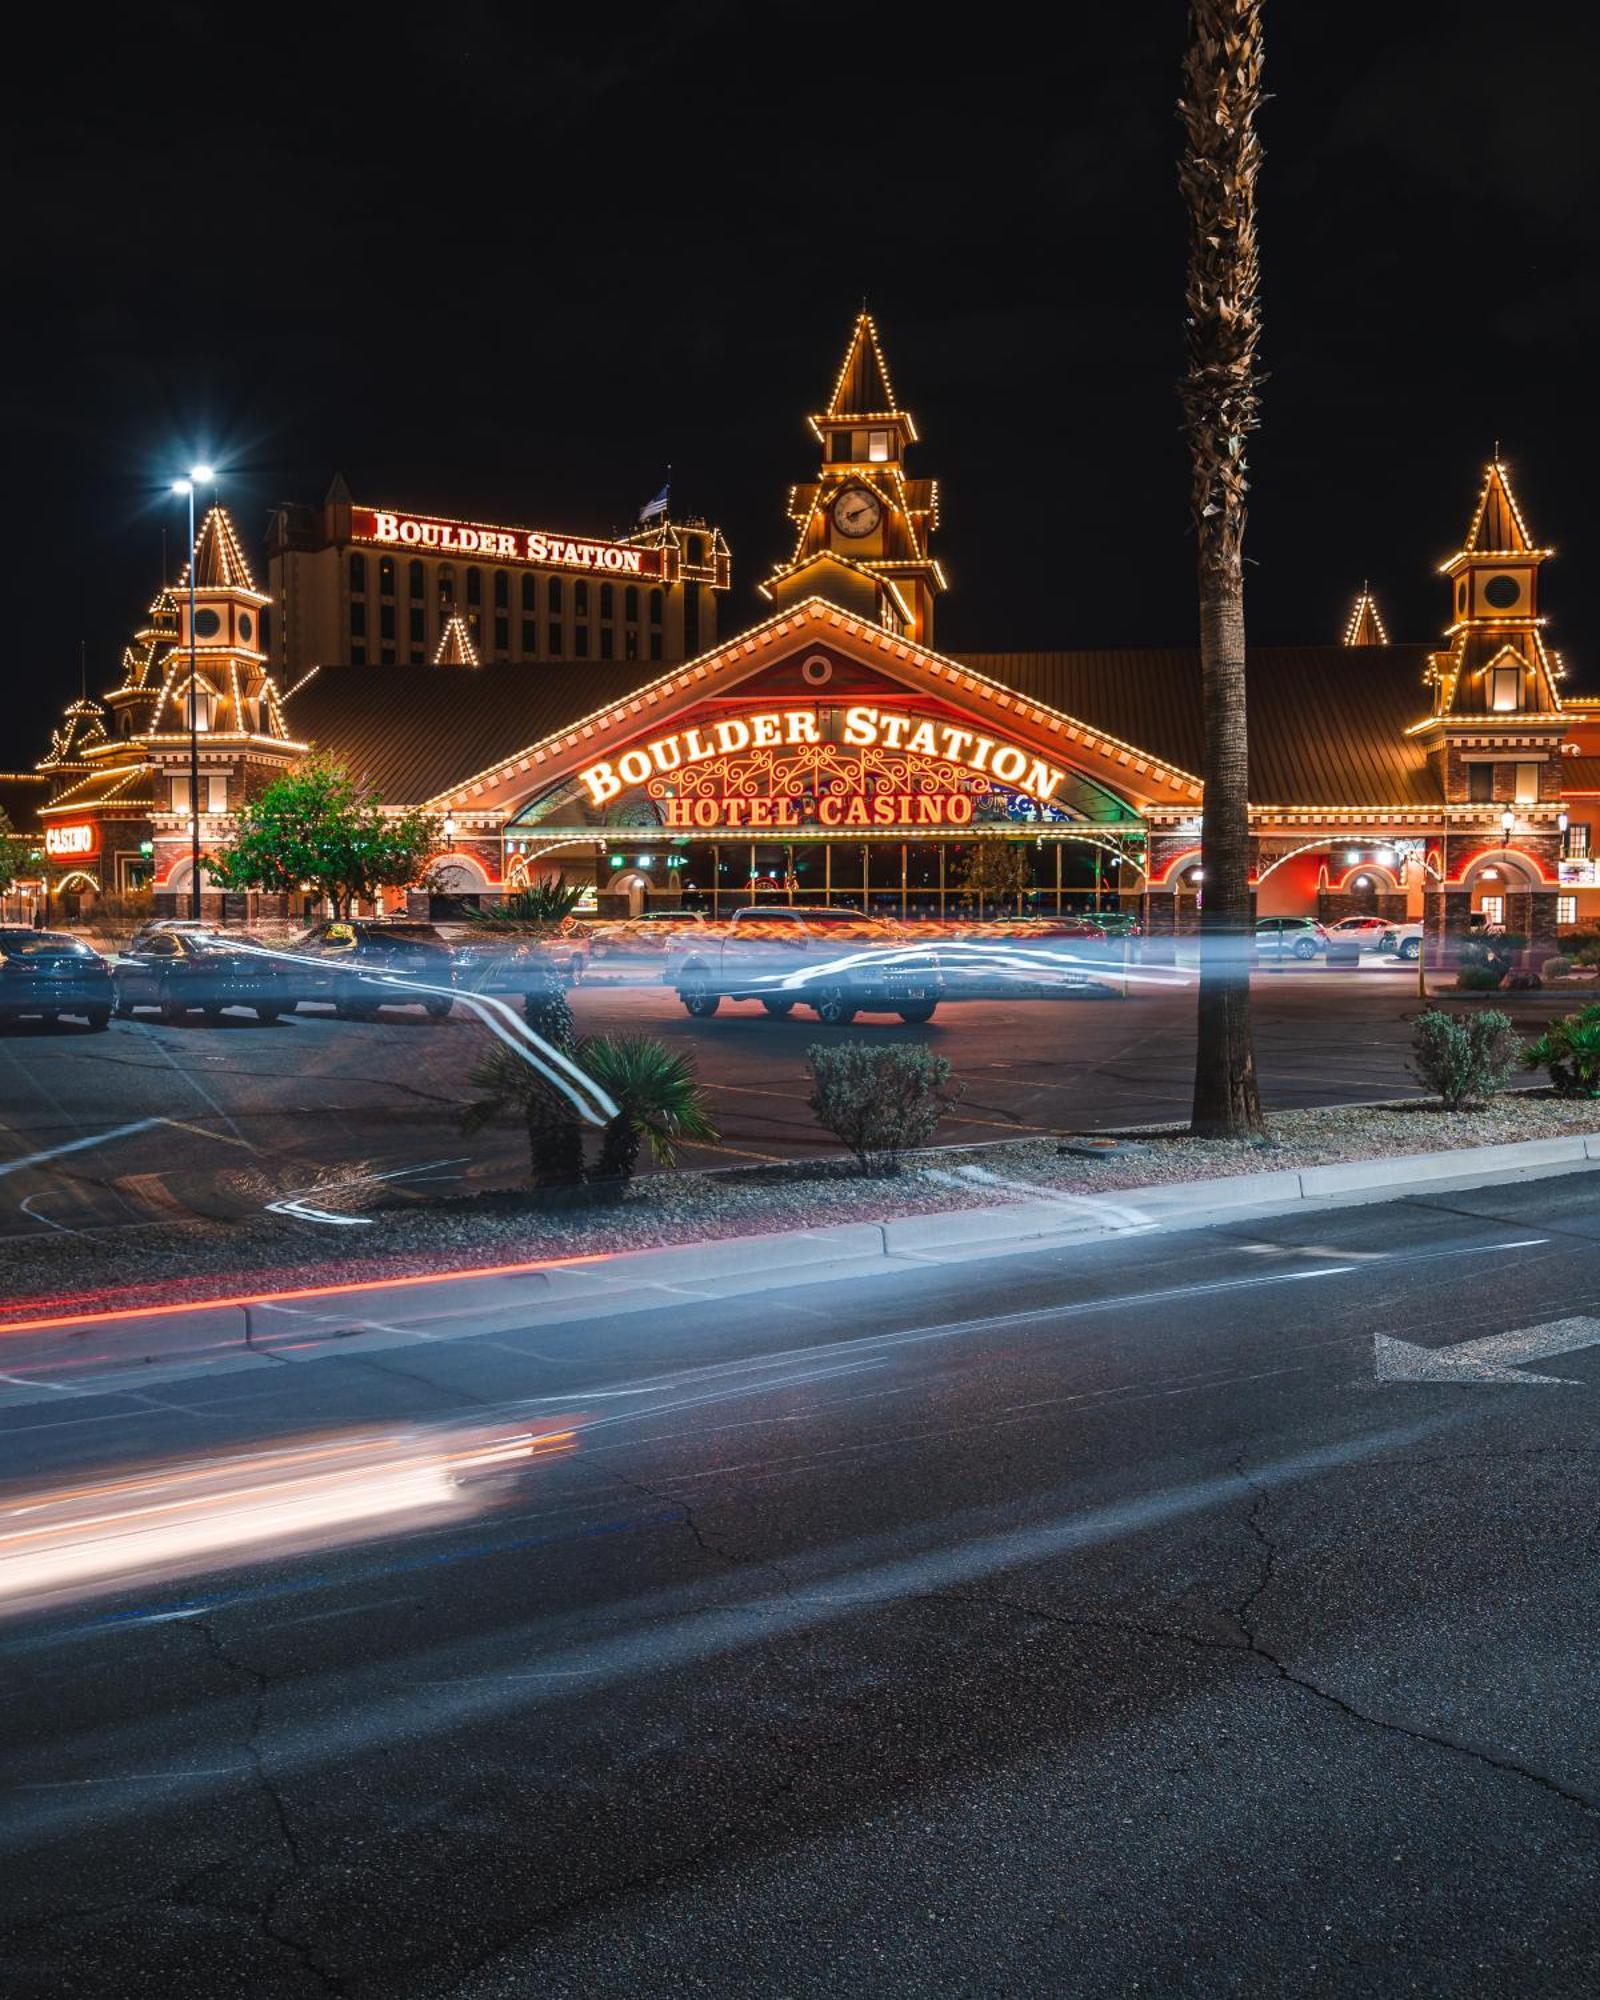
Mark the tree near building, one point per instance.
(15, 853)
(316, 824)
(1220, 164)
(994, 873)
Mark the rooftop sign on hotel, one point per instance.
(426, 534)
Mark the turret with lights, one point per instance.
(1495, 661)
(862, 526)
(1364, 626)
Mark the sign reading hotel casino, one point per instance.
(72, 843)
(772, 739)
(425, 535)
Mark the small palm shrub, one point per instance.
(1569, 1049)
(1463, 1062)
(506, 1083)
(879, 1101)
(657, 1098)
(544, 903)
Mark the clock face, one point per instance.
(857, 512)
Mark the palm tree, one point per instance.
(657, 1099)
(1221, 402)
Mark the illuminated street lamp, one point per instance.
(198, 475)
(449, 827)
(1508, 820)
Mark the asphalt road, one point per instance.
(1088, 1622)
(148, 1122)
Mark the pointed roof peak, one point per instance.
(862, 387)
(455, 644)
(1498, 527)
(338, 493)
(1364, 626)
(218, 561)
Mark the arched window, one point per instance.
(474, 586)
(655, 607)
(386, 576)
(607, 600)
(552, 596)
(580, 599)
(502, 590)
(630, 602)
(414, 582)
(447, 583)
(358, 572)
(530, 594)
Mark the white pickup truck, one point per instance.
(832, 961)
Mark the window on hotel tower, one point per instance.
(415, 584)
(502, 591)
(386, 576)
(447, 583)
(552, 596)
(358, 573)
(474, 586)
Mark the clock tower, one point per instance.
(862, 526)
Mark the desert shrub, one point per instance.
(879, 1100)
(1586, 950)
(1485, 960)
(1463, 1062)
(1557, 967)
(1569, 1049)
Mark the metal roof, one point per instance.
(1326, 723)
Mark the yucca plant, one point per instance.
(658, 1100)
(544, 903)
(1570, 1050)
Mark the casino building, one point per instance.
(831, 753)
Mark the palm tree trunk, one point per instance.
(1221, 160)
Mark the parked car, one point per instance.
(497, 960)
(154, 926)
(182, 971)
(48, 974)
(1403, 941)
(1365, 933)
(833, 961)
(657, 939)
(1118, 923)
(359, 962)
(1290, 937)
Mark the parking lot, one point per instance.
(150, 1121)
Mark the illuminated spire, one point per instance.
(1497, 524)
(455, 644)
(218, 560)
(1364, 627)
(862, 387)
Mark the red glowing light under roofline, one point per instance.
(412, 1281)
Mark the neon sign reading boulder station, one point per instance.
(427, 535)
(859, 727)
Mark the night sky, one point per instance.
(488, 263)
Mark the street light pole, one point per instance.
(186, 487)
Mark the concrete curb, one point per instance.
(142, 1347)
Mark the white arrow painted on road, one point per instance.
(1500, 1357)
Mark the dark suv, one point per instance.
(49, 974)
(364, 963)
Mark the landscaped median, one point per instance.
(1015, 1192)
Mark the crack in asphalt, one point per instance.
(688, 1519)
(266, 1915)
(1244, 1617)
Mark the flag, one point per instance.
(658, 505)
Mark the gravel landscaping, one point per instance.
(148, 1263)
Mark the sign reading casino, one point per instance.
(426, 534)
(859, 766)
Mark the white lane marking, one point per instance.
(80, 1145)
(297, 1205)
(1498, 1357)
